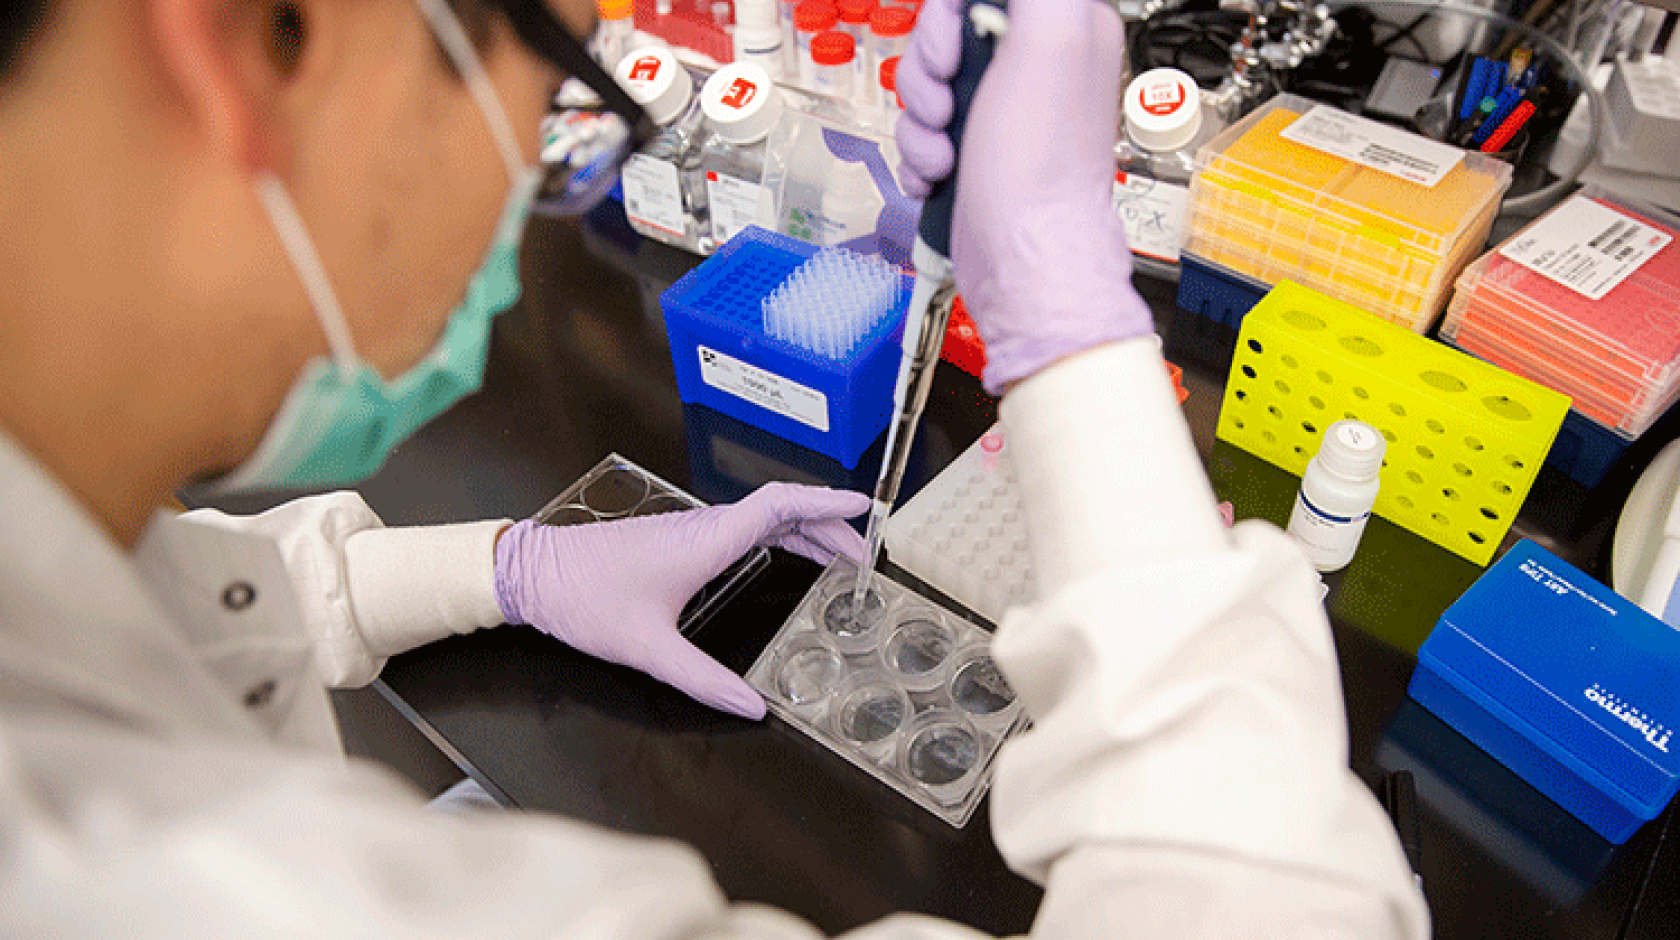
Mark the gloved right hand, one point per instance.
(1040, 255)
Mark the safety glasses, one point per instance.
(596, 134)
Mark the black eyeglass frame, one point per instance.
(541, 31)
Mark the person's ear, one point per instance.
(230, 61)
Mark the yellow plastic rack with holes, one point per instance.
(1465, 439)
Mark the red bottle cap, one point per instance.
(831, 48)
(814, 16)
(888, 22)
(889, 74)
(856, 12)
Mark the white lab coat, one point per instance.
(169, 768)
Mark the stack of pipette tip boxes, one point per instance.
(1356, 210)
(799, 341)
(1582, 301)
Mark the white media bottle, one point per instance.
(742, 106)
(1337, 493)
(664, 190)
(1165, 123)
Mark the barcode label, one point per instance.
(653, 195)
(1593, 267)
(1391, 150)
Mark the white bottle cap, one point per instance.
(656, 81)
(741, 102)
(756, 14)
(1352, 450)
(1163, 109)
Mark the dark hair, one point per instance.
(22, 24)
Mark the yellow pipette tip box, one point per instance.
(1267, 205)
(1465, 438)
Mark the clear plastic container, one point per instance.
(910, 695)
(832, 182)
(664, 188)
(617, 489)
(833, 71)
(889, 33)
(810, 19)
(1269, 206)
(854, 22)
(892, 106)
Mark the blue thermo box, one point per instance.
(724, 360)
(1565, 682)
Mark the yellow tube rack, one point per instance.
(1465, 439)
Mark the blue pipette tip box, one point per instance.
(1565, 682)
(725, 360)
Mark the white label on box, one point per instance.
(1586, 246)
(1378, 146)
(1153, 213)
(764, 389)
(736, 204)
(653, 195)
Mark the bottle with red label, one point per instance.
(742, 106)
(664, 188)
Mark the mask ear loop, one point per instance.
(294, 237)
(447, 28)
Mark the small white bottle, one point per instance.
(758, 36)
(742, 106)
(1337, 493)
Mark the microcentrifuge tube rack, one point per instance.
(963, 532)
(908, 692)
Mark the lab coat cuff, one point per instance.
(1107, 468)
(410, 586)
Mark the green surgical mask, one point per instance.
(341, 418)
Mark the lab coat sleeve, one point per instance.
(368, 592)
(1187, 772)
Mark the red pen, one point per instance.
(1508, 128)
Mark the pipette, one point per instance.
(930, 299)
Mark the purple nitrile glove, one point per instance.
(614, 589)
(1040, 255)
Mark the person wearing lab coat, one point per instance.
(239, 229)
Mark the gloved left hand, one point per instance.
(614, 589)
